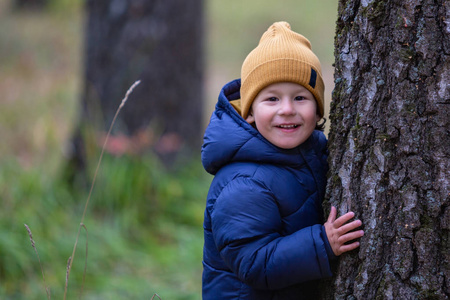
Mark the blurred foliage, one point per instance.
(144, 222)
(235, 27)
(144, 226)
(39, 82)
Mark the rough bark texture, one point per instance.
(390, 147)
(160, 43)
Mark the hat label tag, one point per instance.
(312, 80)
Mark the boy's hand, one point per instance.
(338, 232)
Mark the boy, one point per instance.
(264, 237)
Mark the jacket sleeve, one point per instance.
(246, 226)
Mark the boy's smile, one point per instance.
(285, 113)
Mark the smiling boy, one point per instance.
(263, 227)
(285, 114)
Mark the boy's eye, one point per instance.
(272, 99)
(299, 98)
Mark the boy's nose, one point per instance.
(287, 107)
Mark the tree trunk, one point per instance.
(160, 43)
(390, 148)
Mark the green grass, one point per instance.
(144, 222)
(144, 238)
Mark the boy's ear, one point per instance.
(318, 118)
(250, 118)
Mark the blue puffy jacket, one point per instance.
(263, 231)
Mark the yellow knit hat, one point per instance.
(282, 55)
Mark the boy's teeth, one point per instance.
(288, 126)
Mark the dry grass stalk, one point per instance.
(69, 265)
(85, 261)
(47, 290)
(156, 295)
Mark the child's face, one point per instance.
(285, 114)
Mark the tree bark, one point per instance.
(160, 43)
(390, 148)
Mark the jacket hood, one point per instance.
(229, 138)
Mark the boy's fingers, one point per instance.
(332, 215)
(343, 219)
(350, 247)
(351, 236)
(350, 226)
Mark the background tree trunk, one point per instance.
(390, 147)
(160, 43)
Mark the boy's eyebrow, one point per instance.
(299, 90)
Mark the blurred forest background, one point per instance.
(144, 220)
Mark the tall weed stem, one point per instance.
(47, 290)
(70, 262)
